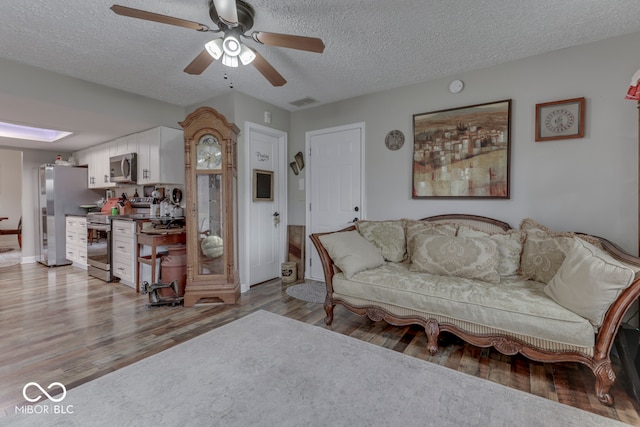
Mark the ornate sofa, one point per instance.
(553, 297)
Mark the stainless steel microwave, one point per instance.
(123, 169)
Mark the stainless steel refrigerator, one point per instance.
(62, 189)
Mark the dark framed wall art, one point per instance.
(462, 152)
(262, 185)
(560, 119)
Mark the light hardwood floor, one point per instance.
(58, 324)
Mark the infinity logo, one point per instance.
(53, 399)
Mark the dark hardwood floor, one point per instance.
(58, 324)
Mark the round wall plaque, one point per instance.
(394, 140)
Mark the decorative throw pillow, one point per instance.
(544, 250)
(416, 227)
(589, 281)
(351, 252)
(388, 236)
(509, 247)
(468, 257)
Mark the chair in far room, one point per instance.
(16, 231)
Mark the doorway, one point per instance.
(11, 208)
(266, 200)
(335, 184)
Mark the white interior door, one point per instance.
(334, 184)
(266, 230)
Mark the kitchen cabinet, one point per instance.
(124, 145)
(124, 247)
(84, 158)
(97, 161)
(76, 239)
(100, 160)
(160, 156)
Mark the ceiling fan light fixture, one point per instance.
(231, 45)
(214, 47)
(229, 61)
(247, 55)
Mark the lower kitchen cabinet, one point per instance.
(124, 244)
(76, 240)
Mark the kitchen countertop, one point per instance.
(133, 217)
(161, 230)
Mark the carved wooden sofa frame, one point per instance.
(600, 363)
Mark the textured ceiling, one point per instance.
(371, 45)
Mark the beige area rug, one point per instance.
(268, 370)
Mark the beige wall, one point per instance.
(588, 184)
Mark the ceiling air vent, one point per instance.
(303, 102)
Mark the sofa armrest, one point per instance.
(327, 263)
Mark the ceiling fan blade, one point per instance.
(310, 44)
(199, 64)
(268, 71)
(156, 17)
(227, 11)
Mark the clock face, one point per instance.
(560, 120)
(208, 153)
(394, 140)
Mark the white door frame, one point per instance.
(309, 164)
(282, 195)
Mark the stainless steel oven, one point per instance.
(99, 251)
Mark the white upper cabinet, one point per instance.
(99, 167)
(97, 161)
(161, 156)
(83, 157)
(125, 145)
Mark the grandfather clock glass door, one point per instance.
(211, 208)
(210, 220)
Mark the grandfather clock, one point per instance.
(211, 187)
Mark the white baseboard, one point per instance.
(29, 259)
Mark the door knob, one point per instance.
(355, 220)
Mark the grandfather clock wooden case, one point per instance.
(211, 187)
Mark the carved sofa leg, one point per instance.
(433, 330)
(605, 377)
(328, 308)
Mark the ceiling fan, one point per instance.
(233, 19)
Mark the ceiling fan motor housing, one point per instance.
(246, 16)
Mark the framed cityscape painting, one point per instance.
(462, 152)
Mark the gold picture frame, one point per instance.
(560, 119)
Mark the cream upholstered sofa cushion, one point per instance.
(468, 257)
(544, 250)
(351, 252)
(509, 247)
(415, 228)
(515, 305)
(388, 236)
(589, 281)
